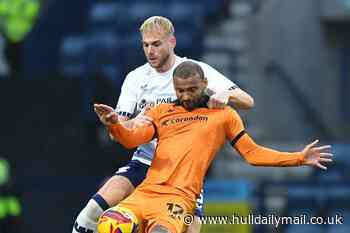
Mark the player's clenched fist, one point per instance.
(106, 114)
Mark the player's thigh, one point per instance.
(121, 185)
(159, 229)
(169, 212)
(195, 226)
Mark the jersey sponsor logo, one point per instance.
(184, 119)
(163, 100)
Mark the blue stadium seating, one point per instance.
(210, 7)
(104, 56)
(122, 17)
(141, 10)
(339, 228)
(132, 51)
(72, 56)
(305, 229)
(186, 14)
(188, 44)
(301, 211)
(114, 38)
(109, 16)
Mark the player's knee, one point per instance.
(116, 189)
(118, 183)
(160, 229)
(118, 219)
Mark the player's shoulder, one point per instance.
(206, 67)
(230, 112)
(201, 63)
(209, 71)
(139, 72)
(165, 107)
(161, 109)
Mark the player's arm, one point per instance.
(262, 156)
(234, 97)
(224, 91)
(131, 138)
(240, 99)
(127, 101)
(139, 121)
(128, 136)
(120, 119)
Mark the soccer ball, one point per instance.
(118, 220)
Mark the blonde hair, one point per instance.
(156, 23)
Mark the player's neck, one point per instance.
(168, 65)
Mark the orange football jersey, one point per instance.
(188, 142)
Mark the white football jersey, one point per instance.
(144, 86)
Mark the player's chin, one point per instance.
(188, 106)
(153, 63)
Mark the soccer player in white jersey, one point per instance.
(145, 86)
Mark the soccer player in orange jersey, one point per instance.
(189, 136)
(149, 85)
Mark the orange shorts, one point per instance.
(152, 208)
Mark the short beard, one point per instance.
(201, 102)
(163, 62)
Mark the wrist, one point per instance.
(301, 158)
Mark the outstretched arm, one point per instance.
(262, 156)
(125, 133)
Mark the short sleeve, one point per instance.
(234, 125)
(128, 97)
(216, 81)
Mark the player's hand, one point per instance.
(317, 156)
(106, 114)
(219, 100)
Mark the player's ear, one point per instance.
(205, 82)
(172, 41)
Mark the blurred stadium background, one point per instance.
(58, 56)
